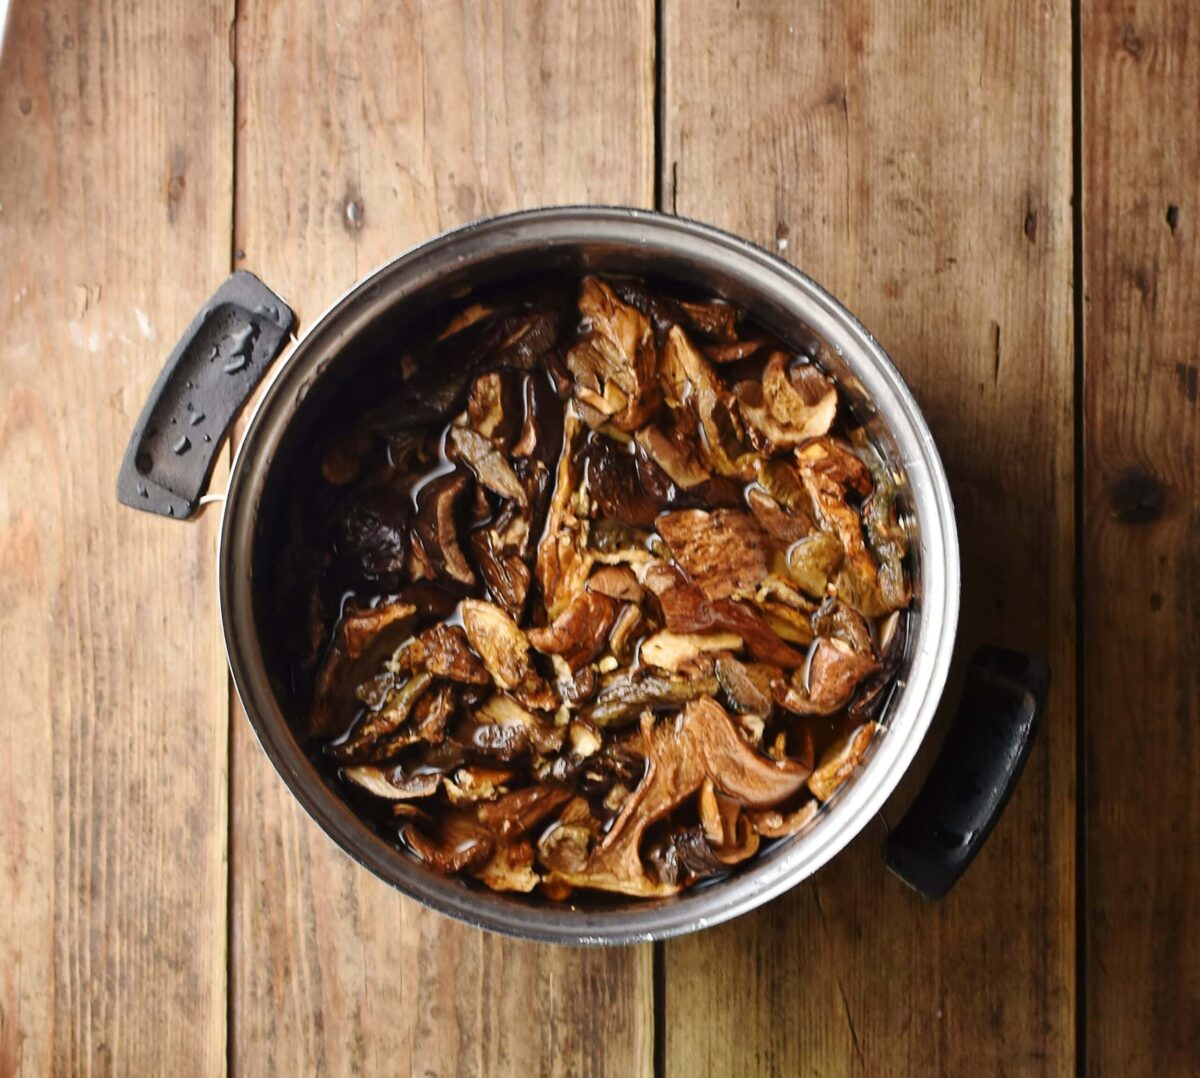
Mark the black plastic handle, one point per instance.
(210, 375)
(981, 759)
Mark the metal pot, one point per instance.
(231, 344)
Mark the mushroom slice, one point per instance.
(515, 814)
(474, 783)
(506, 573)
(621, 639)
(828, 471)
(437, 528)
(563, 560)
(617, 582)
(579, 633)
(361, 640)
(713, 318)
(393, 784)
(670, 651)
(748, 685)
(686, 610)
(771, 823)
(732, 351)
(614, 364)
(735, 768)
(722, 552)
(731, 838)
(380, 725)
(448, 655)
(888, 540)
(796, 404)
(503, 711)
(456, 842)
(628, 694)
(689, 382)
(839, 761)
(833, 673)
(782, 526)
(791, 624)
(490, 466)
(491, 407)
(498, 641)
(431, 711)
(812, 561)
(678, 462)
(617, 484)
(510, 868)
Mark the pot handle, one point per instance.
(215, 367)
(975, 773)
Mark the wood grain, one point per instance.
(363, 128)
(115, 208)
(916, 159)
(1141, 157)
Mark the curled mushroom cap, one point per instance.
(580, 631)
(796, 404)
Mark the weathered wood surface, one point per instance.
(115, 208)
(362, 129)
(1141, 159)
(915, 159)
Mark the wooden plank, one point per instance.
(362, 130)
(115, 210)
(1141, 156)
(916, 160)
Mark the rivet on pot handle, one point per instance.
(210, 375)
(981, 759)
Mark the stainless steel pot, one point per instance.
(234, 340)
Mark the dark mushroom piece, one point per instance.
(437, 527)
(361, 640)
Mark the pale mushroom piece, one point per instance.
(689, 382)
(498, 641)
(771, 823)
(617, 582)
(485, 406)
(838, 762)
(795, 404)
(502, 710)
(680, 464)
(509, 869)
(670, 651)
(477, 783)
(490, 466)
(614, 363)
(383, 784)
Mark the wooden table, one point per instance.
(1006, 193)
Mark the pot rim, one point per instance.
(921, 682)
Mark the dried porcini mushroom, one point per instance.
(607, 598)
(724, 553)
